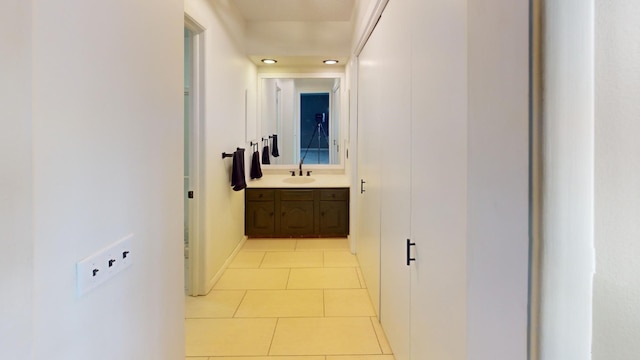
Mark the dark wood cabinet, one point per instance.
(297, 212)
(334, 218)
(260, 212)
(297, 218)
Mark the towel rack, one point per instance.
(225, 155)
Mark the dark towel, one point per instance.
(265, 155)
(237, 171)
(256, 172)
(274, 146)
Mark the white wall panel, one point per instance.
(107, 162)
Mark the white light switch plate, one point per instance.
(94, 269)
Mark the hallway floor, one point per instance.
(287, 299)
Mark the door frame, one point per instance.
(196, 149)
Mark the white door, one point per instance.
(393, 67)
(439, 179)
(368, 200)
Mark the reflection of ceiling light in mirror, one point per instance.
(269, 61)
(330, 62)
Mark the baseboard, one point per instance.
(224, 267)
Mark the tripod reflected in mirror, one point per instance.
(320, 133)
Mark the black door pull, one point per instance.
(409, 258)
(190, 194)
(362, 182)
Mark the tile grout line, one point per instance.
(324, 303)
(240, 303)
(273, 336)
(264, 255)
(286, 286)
(375, 332)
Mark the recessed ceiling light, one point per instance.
(330, 62)
(269, 61)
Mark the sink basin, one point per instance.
(299, 180)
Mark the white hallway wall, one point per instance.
(16, 193)
(591, 175)
(228, 73)
(567, 188)
(94, 154)
(616, 293)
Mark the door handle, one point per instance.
(362, 182)
(409, 258)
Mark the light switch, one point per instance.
(104, 264)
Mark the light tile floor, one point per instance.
(287, 299)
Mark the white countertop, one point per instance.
(288, 181)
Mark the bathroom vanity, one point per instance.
(296, 209)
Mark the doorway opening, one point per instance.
(187, 126)
(193, 176)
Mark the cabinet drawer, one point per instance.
(288, 195)
(260, 194)
(334, 194)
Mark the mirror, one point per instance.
(305, 112)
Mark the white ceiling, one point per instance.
(301, 32)
(295, 10)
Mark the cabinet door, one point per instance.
(334, 218)
(259, 218)
(297, 218)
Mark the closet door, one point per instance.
(385, 132)
(393, 66)
(370, 143)
(438, 179)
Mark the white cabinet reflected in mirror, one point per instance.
(305, 112)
